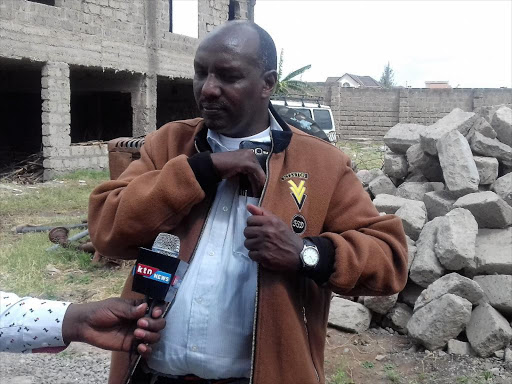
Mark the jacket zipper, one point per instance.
(267, 162)
(305, 320)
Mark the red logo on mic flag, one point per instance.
(145, 270)
(152, 273)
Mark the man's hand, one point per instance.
(113, 324)
(240, 162)
(271, 242)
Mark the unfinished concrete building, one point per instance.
(75, 73)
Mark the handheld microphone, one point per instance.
(158, 274)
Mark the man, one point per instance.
(267, 243)
(32, 325)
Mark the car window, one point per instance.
(323, 119)
(305, 112)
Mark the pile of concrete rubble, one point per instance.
(451, 183)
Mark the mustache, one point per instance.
(217, 105)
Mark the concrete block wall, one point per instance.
(369, 113)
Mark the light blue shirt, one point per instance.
(210, 326)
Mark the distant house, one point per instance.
(437, 84)
(355, 81)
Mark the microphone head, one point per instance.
(167, 244)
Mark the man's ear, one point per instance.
(270, 79)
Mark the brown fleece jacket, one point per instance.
(160, 193)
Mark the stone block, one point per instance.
(395, 165)
(439, 321)
(488, 330)
(411, 251)
(459, 168)
(416, 177)
(486, 146)
(349, 316)
(398, 317)
(426, 268)
(388, 203)
(380, 304)
(503, 188)
(413, 218)
(487, 169)
(455, 120)
(502, 124)
(482, 126)
(455, 248)
(400, 137)
(492, 251)
(451, 283)
(489, 210)
(416, 190)
(382, 184)
(439, 203)
(410, 293)
(366, 176)
(456, 347)
(498, 291)
(422, 162)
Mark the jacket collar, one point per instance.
(281, 139)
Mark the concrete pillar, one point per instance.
(144, 106)
(56, 116)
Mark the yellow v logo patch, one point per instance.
(298, 193)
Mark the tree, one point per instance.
(288, 85)
(387, 80)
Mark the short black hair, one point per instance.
(267, 49)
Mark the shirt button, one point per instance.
(199, 300)
(225, 209)
(211, 253)
(193, 348)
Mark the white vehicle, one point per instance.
(321, 114)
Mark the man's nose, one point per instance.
(211, 87)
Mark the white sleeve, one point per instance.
(28, 324)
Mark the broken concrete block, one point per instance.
(456, 347)
(366, 176)
(411, 251)
(455, 249)
(426, 268)
(400, 137)
(451, 283)
(489, 210)
(395, 165)
(485, 146)
(503, 188)
(459, 168)
(502, 124)
(398, 317)
(439, 203)
(492, 251)
(498, 291)
(487, 169)
(482, 126)
(439, 321)
(455, 120)
(416, 177)
(416, 190)
(488, 330)
(349, 316)
(390, 204)
(410, 293)
(380, 304)
(413, 218)
(382, 184)
(422, 162)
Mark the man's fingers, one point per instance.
(255, 210)
(154, 325)
(146, 336)
(144, 350)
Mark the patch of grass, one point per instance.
(341, 377)
(392, 375)
(86, 175)
(364, 155)
(367, 364)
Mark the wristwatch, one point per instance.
(309, 255)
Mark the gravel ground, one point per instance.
(79, 363)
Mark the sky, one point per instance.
(468, 43)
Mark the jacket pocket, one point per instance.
(305, 321)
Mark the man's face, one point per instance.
(229, 82)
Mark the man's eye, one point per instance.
(200, 74)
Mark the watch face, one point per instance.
(310, 256)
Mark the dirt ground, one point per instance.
(399, 360)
